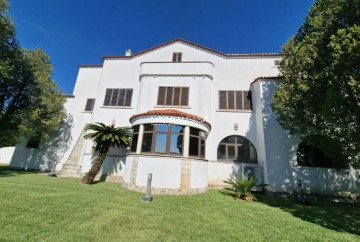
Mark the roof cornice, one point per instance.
(194, 45)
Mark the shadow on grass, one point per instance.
(6, 170)
(342, 217)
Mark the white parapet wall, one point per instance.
(6, 154)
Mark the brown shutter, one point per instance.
(161, 96)
(114, 98)
(247, 100)
(107, 97)
(176, 96)
(184, 96)
(174, 57)
(128, 97)
(169, 95)
(89, 104)
(222, 100)
(179, 56)
(239, 102)
(231, 99)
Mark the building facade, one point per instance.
(198, 117)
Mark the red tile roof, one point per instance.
(266, 78)
(90, 66)
(171, 112)
(192, 44)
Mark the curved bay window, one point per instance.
(162, 138)
(168, 139)
(236, 148)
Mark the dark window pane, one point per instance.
(134, 142)
(161, 96)
(176, 144)
(148, 127)
(252, 154)
(202, 147)
(169, 95)
(177, 129)
(239, 100)
(162, 128)
(89, 104)
(121, 98)
(231, 100)
(177, 96)
(247, 100)
(34, 141)
(107, 97)
(147, 141)
(174, 57)
(194, 146)
(136, 128)
(128, 98)
(114, 98)
(184, 96)
(242, 140)
(229, 140)
(194, 131)
(243, 153)
(231, 152)
(179, 57)
(222, 100)
(221, 152)
(160, 145)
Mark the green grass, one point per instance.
(34, 207)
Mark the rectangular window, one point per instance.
(235, 100)
(173, 96)
(176, 57)
(118, 97)
(34, 141)
(89, 104)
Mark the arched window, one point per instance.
(310, 152)
(236, 148)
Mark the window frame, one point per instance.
(236, 144)
(89, 106)
(122, 99)
(162, 99)
(177, 57)
(242, 98)
(201, 148)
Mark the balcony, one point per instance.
(204, 69)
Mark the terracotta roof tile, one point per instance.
(171, 112)
(90, 66)
(193, 44)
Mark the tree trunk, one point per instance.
(94, 170)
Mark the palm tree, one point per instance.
(105, 137)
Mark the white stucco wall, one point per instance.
(199, 174)
(6, 154)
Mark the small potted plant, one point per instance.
(241, 188)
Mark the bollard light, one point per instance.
(147, 197)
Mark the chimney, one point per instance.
(128, 52)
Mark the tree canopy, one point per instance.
(30, 102)
(320, 93)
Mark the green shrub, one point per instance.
(241, 188)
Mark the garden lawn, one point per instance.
(35, 207)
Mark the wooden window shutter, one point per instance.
(161, 96)
(89, 104)
(121, 98)
(128, 97)
(169, 95)
(179, 56)
(174, 57)
(247, 100)
(177, 91)
(239, 100)
(231, 99)
(222, 100)
(108, 97)
(184, 96)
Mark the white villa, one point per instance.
(198, 116)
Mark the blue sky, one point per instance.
(74, 32)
